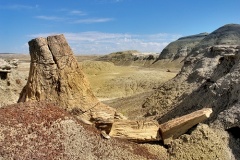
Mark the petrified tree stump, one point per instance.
(55, 76)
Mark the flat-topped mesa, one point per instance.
(55, 76)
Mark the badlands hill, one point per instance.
(204, 65)
(171, 56)
(181, 47)
(225, 35)
(209, 77)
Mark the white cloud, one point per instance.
(18, 7)
(74, 20)
(108, 1)
(92, 20)
(77, 13)
(52, 18)
(94, 42)
(71, 16)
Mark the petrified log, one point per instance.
(139, 131)
(146, 131)
(178, 126)
(55, 76)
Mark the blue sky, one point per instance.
(105, 26)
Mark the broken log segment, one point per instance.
(138, 131)
(178, 126)
(147, 131)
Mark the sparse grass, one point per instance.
(109, 81)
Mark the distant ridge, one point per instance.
(9, 53)
(130, 57)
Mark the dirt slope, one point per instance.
(45, 131)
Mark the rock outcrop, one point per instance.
(55, 76)
(11, 81)
(6, 66)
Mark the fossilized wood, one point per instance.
(178, 126)
(55, 76)
(139, 131)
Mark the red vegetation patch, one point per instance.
(27, 132)
(28, 113)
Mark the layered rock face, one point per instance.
(181, 47)
(55, 76)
